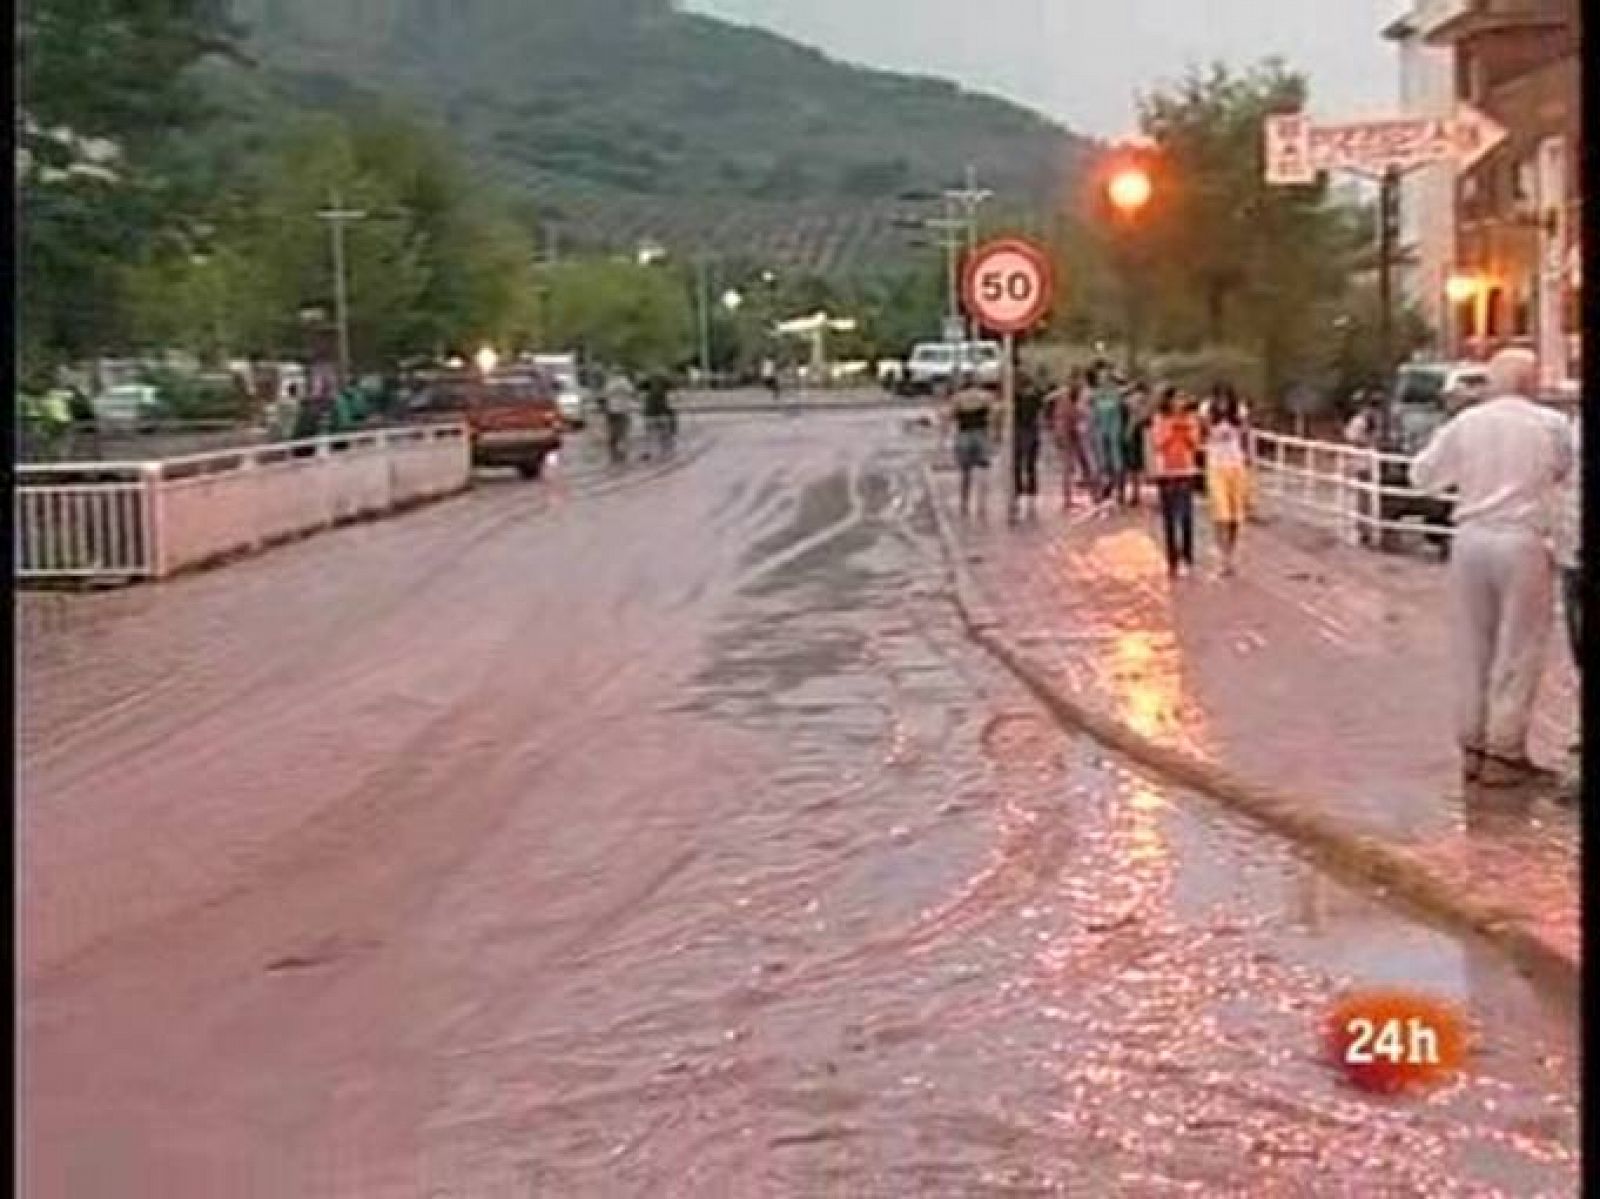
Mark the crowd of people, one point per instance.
(1501, 463)
(1112, 436)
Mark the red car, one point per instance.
(512, 414)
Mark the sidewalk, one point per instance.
(1320, 670)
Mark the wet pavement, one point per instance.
(1320, 668)
(664, 835)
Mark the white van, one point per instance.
(933, 364)
(571, 397)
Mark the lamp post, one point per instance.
(1129, 190)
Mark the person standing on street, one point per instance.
(1066, 422)
(1362, 429)
(658, 413)
(1135, 429)
(1568, 545)
(1108, 415)
(619, 407)
(1093, 471)
(1027, 416)
(1175, 442)
(972, 413)
(1227, 473)
(1361, 472)
(1504, 457)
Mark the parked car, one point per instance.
(935, 364)
(126, 406)
(1423, 398)
(512, 415)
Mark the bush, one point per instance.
(1197, 370)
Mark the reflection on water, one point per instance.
(1147, 847)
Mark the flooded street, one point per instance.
(664, 835)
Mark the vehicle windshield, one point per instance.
(516, 390)
(442, 396)
(1420, 386)
(931, 354)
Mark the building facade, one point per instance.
(1517, 210)
(1427, 249)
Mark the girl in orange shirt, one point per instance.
(1175, 439)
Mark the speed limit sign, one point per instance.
(1009, 285)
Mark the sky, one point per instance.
(1083, 61)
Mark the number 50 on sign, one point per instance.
(1009, 285)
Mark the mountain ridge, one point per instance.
(627, 119)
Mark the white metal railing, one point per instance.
(1362, 494)
(78, 521)
(148, 519)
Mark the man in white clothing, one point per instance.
(1504, 457)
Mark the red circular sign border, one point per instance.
(1047, 278)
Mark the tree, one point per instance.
(900, 308)
(475, 256)
(432, 267)
(619, 313)
(1231, 258)
(107, 90)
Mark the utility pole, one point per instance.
(956, 227)
(1388, 228)
(966, 200)
(950, 229)
(337, 217)
(703, 301)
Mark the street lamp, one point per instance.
(732, 300)
(486, 359)
(1129, 190)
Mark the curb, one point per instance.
(1395, 872)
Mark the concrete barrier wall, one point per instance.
(287, 490)
(149, 519)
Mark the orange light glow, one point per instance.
(1458, 289)
(1129, 189)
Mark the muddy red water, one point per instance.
(663, 836)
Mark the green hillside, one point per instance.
(625, 119)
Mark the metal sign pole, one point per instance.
(1008, 413)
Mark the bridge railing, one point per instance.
(130, 520)
(76, 521)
